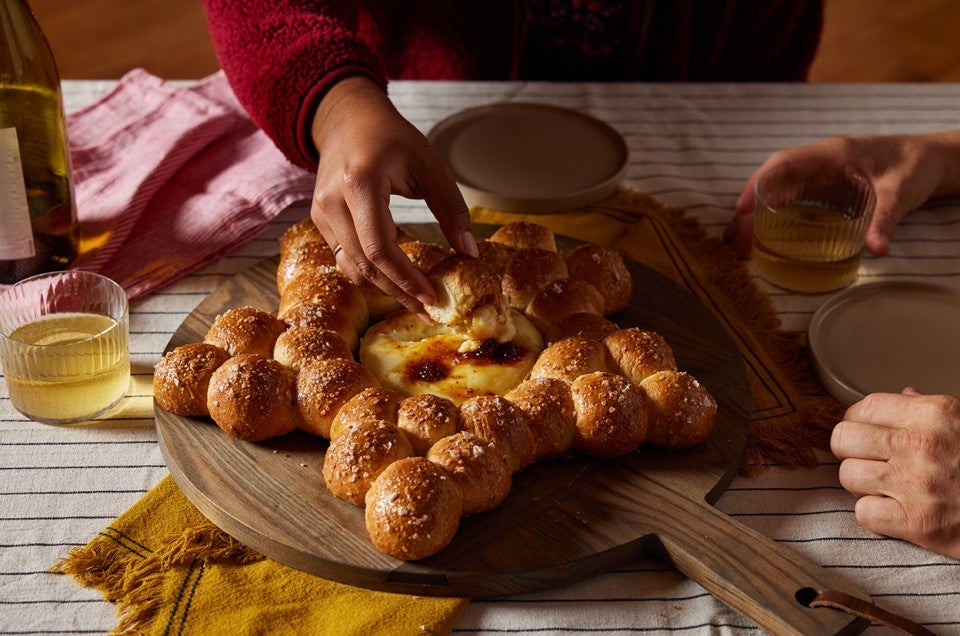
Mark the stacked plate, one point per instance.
(529, 158)
(883, 337)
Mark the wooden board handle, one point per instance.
(754, 575)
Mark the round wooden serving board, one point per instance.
(564, 520)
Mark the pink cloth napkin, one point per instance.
(168, 179)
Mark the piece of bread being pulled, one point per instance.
(470, 301)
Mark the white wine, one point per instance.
(38, 220)
(76, 364)
(807, 248)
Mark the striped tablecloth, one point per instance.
(690, 146)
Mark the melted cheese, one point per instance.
(408, 355)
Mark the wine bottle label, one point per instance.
(16, 235)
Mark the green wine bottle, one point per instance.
(38, 218)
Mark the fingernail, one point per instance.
(470, 244)
(425, 299)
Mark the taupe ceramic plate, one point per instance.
(524, 157)
(882, 337)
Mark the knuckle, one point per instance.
(357, 176)
(377, 255)
(367, 271)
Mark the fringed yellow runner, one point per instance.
(170, 571)
(792, 415)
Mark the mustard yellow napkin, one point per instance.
(170, 571)
(792, 414)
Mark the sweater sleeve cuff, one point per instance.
(307, 155)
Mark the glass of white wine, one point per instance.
(810, 221)
(64, 345)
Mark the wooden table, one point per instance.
(690, 146)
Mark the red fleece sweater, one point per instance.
(281, 56)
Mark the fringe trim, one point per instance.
(781, 441)
(135, 584)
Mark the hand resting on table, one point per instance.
(901, 456)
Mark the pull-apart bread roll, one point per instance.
(424, 256)
(636, 353)
(329, 290)
(551, 417)
(570, 358)
(479, 467)
(245, 330)
(413, 509)
(250, 397)
(182, 376)
(373, 404)
(605, 270)
(495, 255)
(469, 300)
(559, 299)
(303, 259)
(426, 419)
(302, 232)
(323, 387)
(358, 456)
(611, 414)
(521, 235)
(298, 344)
(682, 411)
(435, 419)
(322, 317)
(499, 422)
(527, 272)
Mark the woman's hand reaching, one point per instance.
(369, 152)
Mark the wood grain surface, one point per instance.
(564, 520)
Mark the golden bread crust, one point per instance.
(479, 467)
(604, 269)
(570, 358)
(561, 298)
(548, 405)
(372, 404)
(301, 232)
(521, 235)
(358, 456)
(424, 256)
(413, 509)
(328, 289)
(499, 422)
(182, 376)
(250, 397)
(298, 344)
(581, 324)
(427, 418)
(527, 272)
(611, 412)
(323, 387)
(245, 330)
(302, 258)
(636, 353)
(682, 411)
